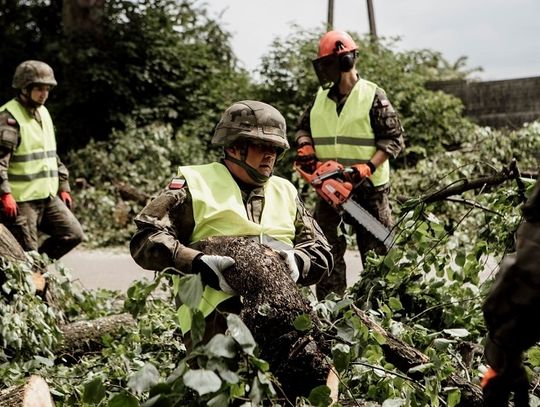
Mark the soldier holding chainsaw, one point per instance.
(352, 122)
(238, 196)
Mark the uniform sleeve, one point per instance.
(163, 229)
(304, 126)
(511, 308)
(9, 140)
(311, 248)
(63, 176)
(386, 125)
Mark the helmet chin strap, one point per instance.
(28, 101)
(256, 176)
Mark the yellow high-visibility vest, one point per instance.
(348, 137)
(218, 210)
(33, 168)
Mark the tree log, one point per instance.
(12, 251)
(404, 357)
(34, 393)
(271, 303)
(85, 336)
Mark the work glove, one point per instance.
(66, 198)
(306, 158)
(9, 205)
(505, 376)
(290, 260)
(362, 171)
(211, 269)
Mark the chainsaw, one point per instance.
(329, 183)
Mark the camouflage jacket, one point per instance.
(165, 225)
(383, 117)
(511, 308)
(9, 141)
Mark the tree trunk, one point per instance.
(271, 303)
(12, 251)
(34, 393)
(85, 336)
(404, 357)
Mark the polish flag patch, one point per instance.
(11, 121)
(177, 183)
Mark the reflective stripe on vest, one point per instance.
(348, 137)
(33, 169)
(218, 210)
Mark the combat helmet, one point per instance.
(30, 72)
(252, 121)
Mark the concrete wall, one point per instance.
(502, 103)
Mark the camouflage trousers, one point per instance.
(50, 217)
(376, 202)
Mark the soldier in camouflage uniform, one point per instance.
(350, 121)
(34, 187)
(238, 196)
(511, 313)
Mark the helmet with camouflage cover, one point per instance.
(253, 121)
(33, 72)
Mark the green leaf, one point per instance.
(145, 378)
(421, 368)
(441, 344)
(454, 397)
(303, 323)
(44, 361)
(460, 259)
(221, 346)
(457, 332)
(190, 290)
(381, 340)
(94, 391)
(261, 364)
(241, 334)
(394, 402)
(202, 381)
(198, 326)
(341, 355)
(533, 354)
(320, 396)
(218, 401)
(395, 304)
(123, 400)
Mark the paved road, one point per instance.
(116, 270)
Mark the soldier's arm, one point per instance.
(303, 129)
(9, 140)
(63, 176)
(386, 125)
(311, 247)
(163, 230)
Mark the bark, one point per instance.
(271, 303)
(405, 357)
(12, 251)
(85, 336)
(34, 393)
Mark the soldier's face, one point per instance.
(40, 93)
(262, 157)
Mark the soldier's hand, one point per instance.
(306, 158)
(290, 260)
(9, 205)
(211, 270)
(66, 198)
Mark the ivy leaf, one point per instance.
(94, 391)
(341, 355)
(393, 403)
(454, 396)
(218, 401)
(198, 325)
(256, 392)
(421, 368)
(221, 346)
(44, 361)
(240, 332)
(302, 323)
(190, 290)
(202, 381)
(123, 400)
(320, 396)
(395, 304)
(534, 356)
(145, 378)
(460, 259)
(457, 332)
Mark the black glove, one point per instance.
(211, 270)
(306, 158)
(505, 376)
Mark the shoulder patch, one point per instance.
(11, 121)
(177, 183)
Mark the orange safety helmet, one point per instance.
(336, 43)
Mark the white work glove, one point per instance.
(210, 267)
(290, 259)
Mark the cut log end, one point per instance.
(34, 393)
